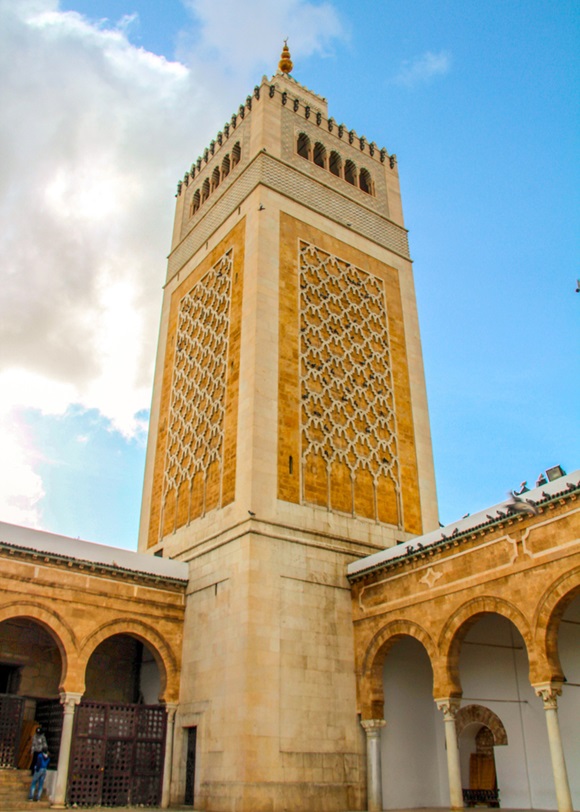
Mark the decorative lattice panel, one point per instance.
(348, 426)
(11, 708)
(198, 395)
(117, 755)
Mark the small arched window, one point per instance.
(365, 181)
(350, 172)
(205, 190)
(236, 154)
(303, 146)
(226, 166)
(335, 164)
(195, 202)
(215, 179)
(319, 156)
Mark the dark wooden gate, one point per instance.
(117, 755)
(11, 708)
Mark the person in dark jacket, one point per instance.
(42, 762)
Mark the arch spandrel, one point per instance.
(370, 686)
(60, 631)
(162, 651)
(551, 607)
(459, 623)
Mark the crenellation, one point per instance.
(307, 109)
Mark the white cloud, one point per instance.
(94, 133)
(246, 38)
(423, 69)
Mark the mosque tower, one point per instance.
(289, 436)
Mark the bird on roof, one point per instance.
(519, 505)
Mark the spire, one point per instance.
(285, 63)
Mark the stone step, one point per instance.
(14, 787)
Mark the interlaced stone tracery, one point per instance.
(347, 412)
(198, 395)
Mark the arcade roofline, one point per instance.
(469, 528)
(94, 559)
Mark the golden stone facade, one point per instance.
(289, 550)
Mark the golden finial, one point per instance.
(285, 63)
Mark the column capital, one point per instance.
(372, 726)
(448, 706)
(70, 699)
(548, 693)
(170, 709)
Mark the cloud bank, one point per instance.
(423, 69)
(94, 133)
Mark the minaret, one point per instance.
(289, 435)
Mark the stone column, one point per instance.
(549, 695)
(170, 707)
(69, 702)
(372, 728)
(449, 708)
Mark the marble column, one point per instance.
(170, 707)
(449, 707)
(549, 695)
(69, 702)
(372, 728)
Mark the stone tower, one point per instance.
(289, 436)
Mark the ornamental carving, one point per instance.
(198, 393)
(347, 404)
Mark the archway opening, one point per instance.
(494, 674)
(303, 146)
(123, 669)
(478, 772)
(319, 155)
(412, 742)
(569, 702)
(118, 743)
(335, 164)
(31, 670)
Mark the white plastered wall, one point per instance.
(494, 674)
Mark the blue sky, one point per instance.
(105, 104)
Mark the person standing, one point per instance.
(39, 743)
(42, 762)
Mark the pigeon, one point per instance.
(519, 505)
